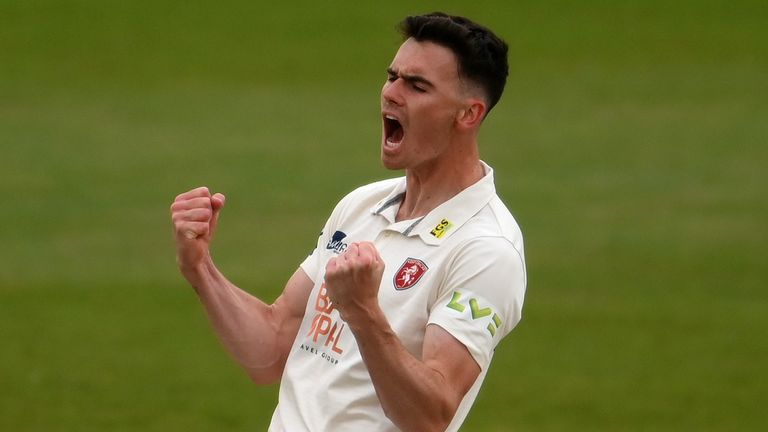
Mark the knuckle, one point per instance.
(192, 193)
(204, 214)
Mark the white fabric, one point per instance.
(472, 284)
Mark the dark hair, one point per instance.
(482, 56)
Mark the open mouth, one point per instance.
(393, 130)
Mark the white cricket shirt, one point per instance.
(460, 267)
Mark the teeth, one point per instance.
(390, 117)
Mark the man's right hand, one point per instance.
(194, 215)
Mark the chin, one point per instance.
(390, 164)
(392, 167)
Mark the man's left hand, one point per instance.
(353, 278)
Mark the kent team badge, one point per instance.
(410, 272)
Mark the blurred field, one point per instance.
(631, 146)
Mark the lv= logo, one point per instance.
(477, 312)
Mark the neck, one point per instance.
(429, 186)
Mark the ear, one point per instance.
(472, 114)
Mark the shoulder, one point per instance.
(505, 222)
(495, 226)
(488, 262)
(491, 240)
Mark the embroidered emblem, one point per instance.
(409, 273)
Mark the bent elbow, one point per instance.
(262, 379)
(436, 420)
(265, 375)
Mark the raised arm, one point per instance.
(417, 394)
(257, 335)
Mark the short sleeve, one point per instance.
(481, 298)
(314, 264)
(311, 264)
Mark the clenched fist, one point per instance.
(194, 215)
(353, 278)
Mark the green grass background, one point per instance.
(630, 144)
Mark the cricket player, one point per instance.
(392, 321)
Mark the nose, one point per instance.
(391, 92)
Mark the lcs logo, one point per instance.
(441, 228)
(336, 244)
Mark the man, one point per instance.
(391, 323)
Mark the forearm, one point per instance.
(414, 396)
(247, 327)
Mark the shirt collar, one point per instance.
(445, 219)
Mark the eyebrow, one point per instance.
(410, 78)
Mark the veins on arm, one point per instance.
(257, 335)
(417, 394)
